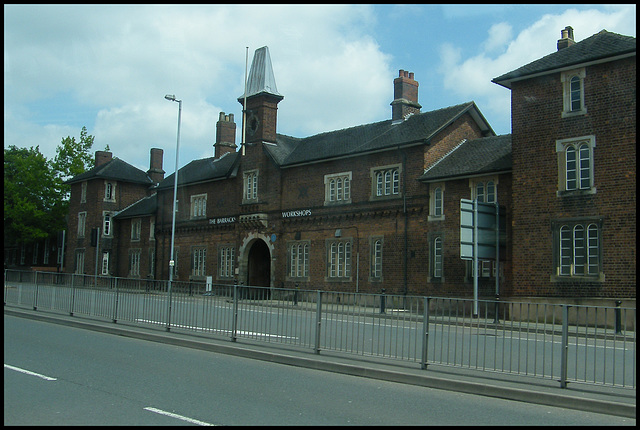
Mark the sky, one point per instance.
(108, 68)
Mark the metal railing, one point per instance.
(566, 343)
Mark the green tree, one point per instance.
(36, 199)
(72, 158)
(32, 206)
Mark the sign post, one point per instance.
(480, 227)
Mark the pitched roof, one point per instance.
(204, 169)
(599, 47)
(473, 157)
(143, 207)
(379, 136)
(115, 169)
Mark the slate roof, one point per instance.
(473, 157)
(600, 46)
(143, 207)
(384, 135)
(115, 169)
(204, 169)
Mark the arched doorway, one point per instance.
(259, 267)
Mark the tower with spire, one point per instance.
(262, 98)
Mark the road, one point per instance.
(79, 377)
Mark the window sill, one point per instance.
(574, 113)
(435, 218)
(576, 193)
(576, 278)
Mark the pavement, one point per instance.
(577, 396)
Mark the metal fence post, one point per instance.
(618, 317)
(318, 322)
(73, 296)
(425, 330)
(35, 298)
(234, 327)
(564, 346)
(115, 310)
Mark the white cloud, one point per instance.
(499, 36)
(471, 77)
(119, 61)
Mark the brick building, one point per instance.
(377, 206)
(574, 169)
(97, 195)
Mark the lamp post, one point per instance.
(173, 215)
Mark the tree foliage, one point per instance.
(35, 196)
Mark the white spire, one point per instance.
(261, 78)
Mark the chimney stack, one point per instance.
(225, 135)
(405, 96)
(155, 171)
(102, 157)
(567, 38)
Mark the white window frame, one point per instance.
(105, 263)
(386, 182)
(199, 206)
(79, 262)
(581, 164)
(83, 192)
(579, 246)
(82, 222)
(199, 261)
(226, 261)
(136, 226)
(109, 191)
(568, 93)
(339, 254)
(134, 262)
(480, 189)
(299, 259)
(436, 202)
(250, 188)
(376, 258)
(152, 229)
(437, 258)
(337, 188)
(107, 224)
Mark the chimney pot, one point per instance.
(566, 39)
(410, 75)
(102, 157)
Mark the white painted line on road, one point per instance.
(240, 332)
(176, 416)
(17, 369)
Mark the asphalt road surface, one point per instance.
(58, 375)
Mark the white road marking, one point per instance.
(240, 332)
(176, 416)
(17, 369)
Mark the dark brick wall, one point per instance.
(609, 91)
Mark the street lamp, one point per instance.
(172, 98)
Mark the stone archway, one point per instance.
(259, 265)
